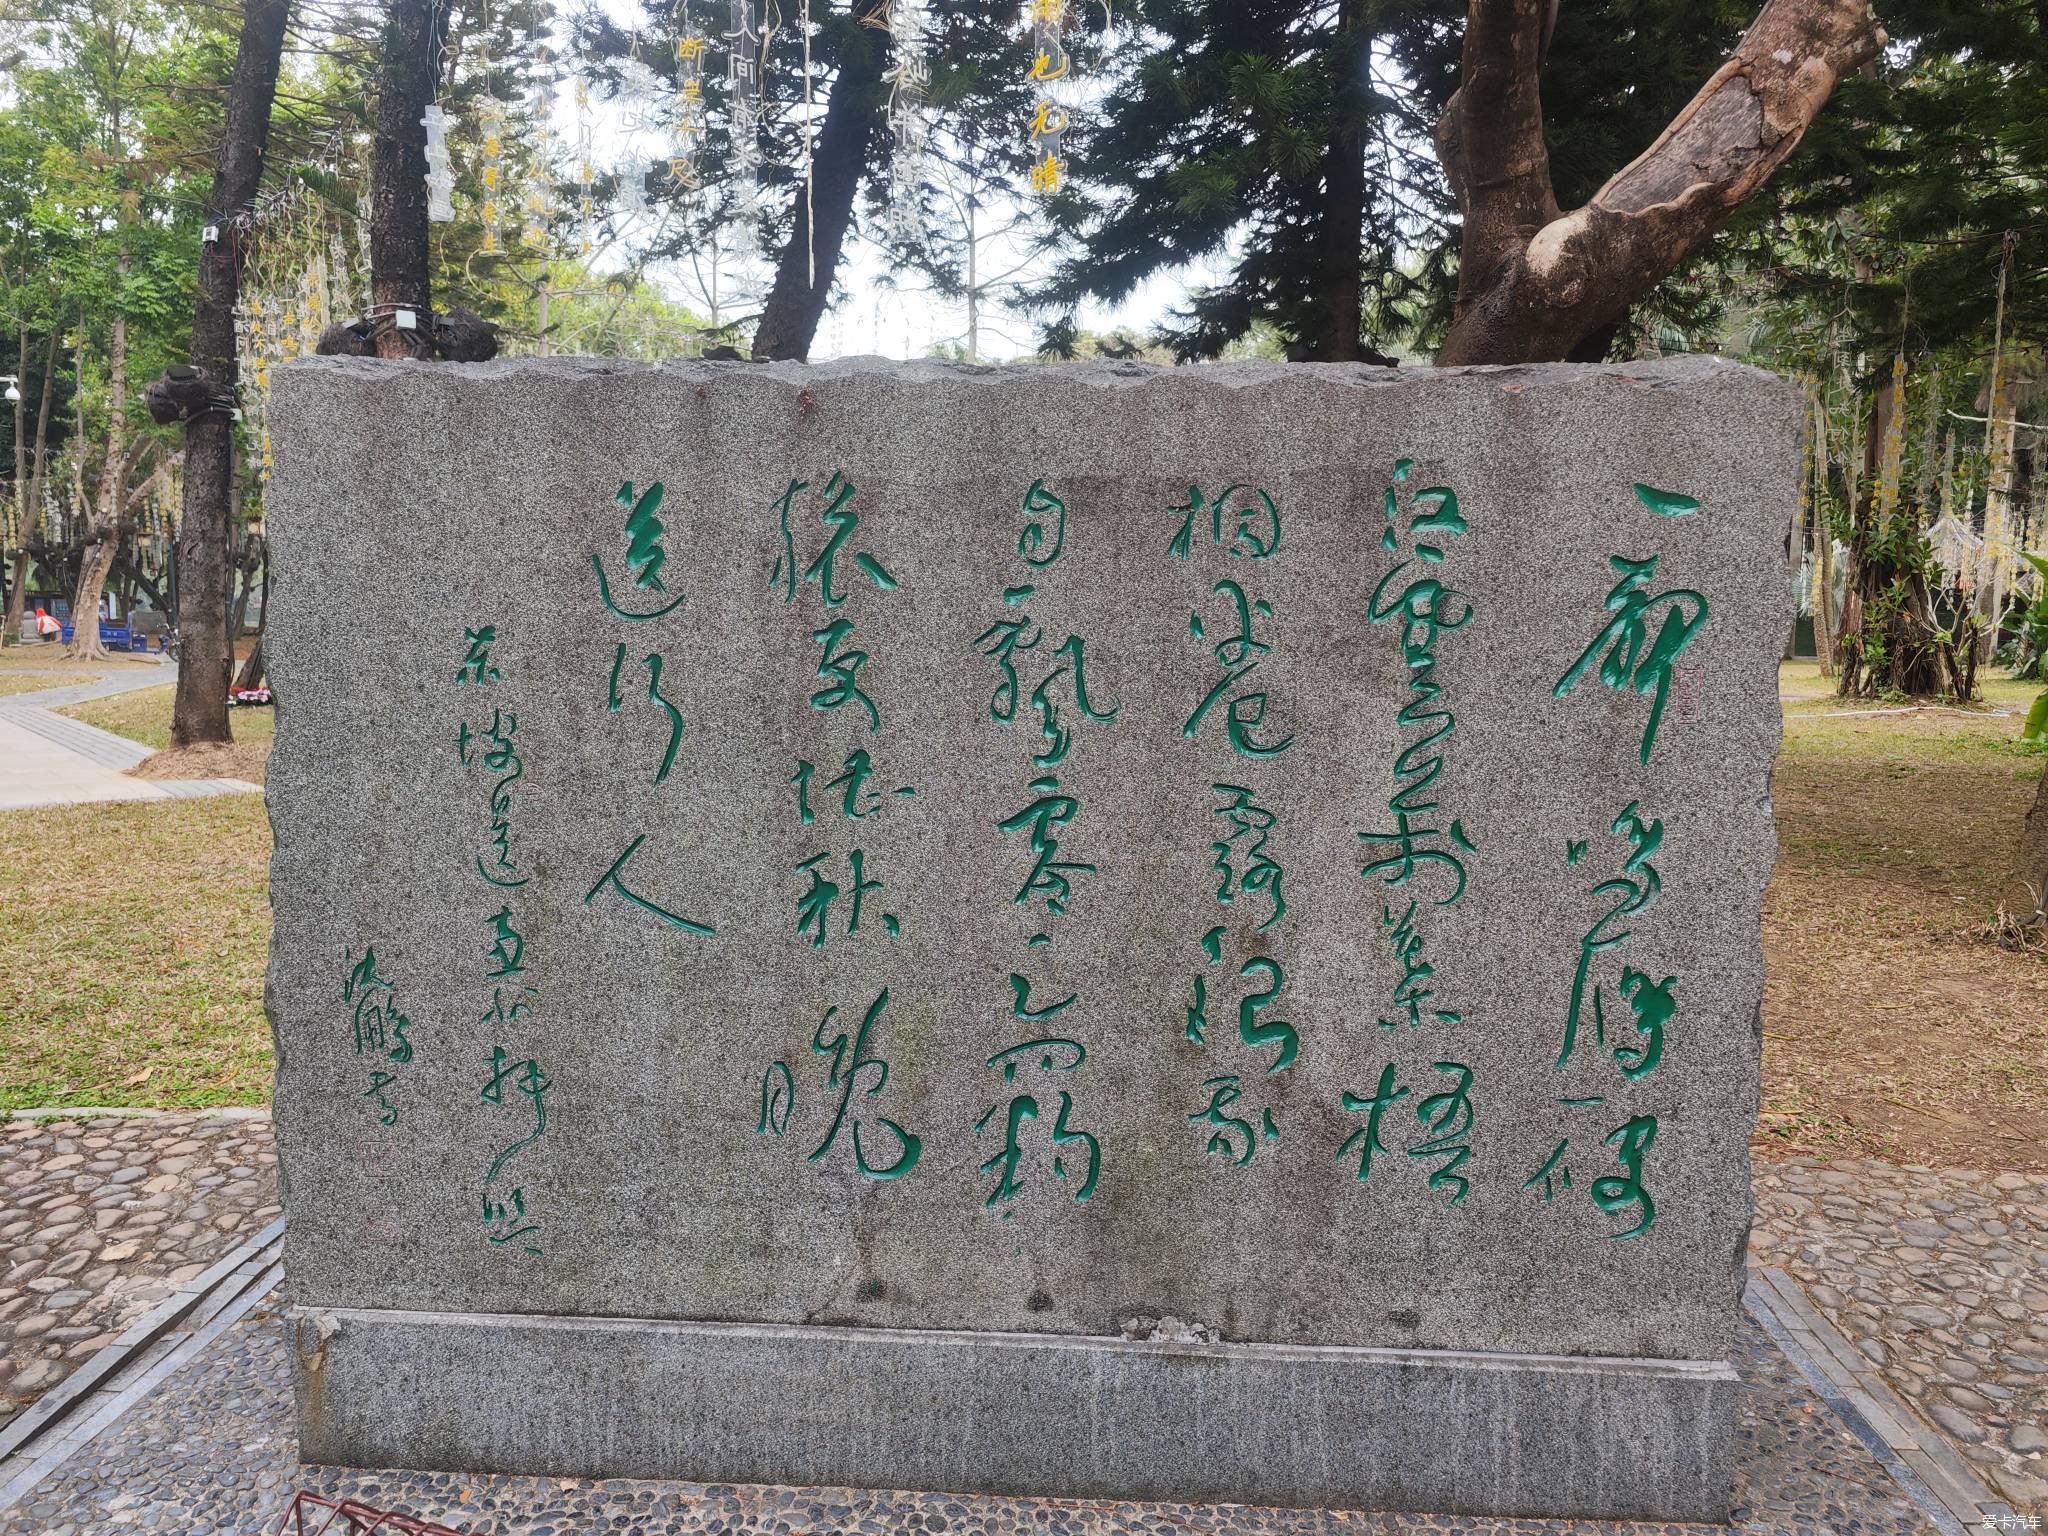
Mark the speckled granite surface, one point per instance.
(213, 1453)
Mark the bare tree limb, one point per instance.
(1576, 272)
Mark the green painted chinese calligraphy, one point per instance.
(1239, 656)
(644, 554)
(1230, 1138)
(848, 1063)
(1052, 1055)
(1250, 827)
(1254, 521)
(814, 905)
(837, 515)
(1428, 609)
(1367, 1137)
(1628, 665)
(1446, 1119)
(1635, 890)
(476, 665)
(615, 878)
(1050, 875)
(1038, 501)
(841, 674)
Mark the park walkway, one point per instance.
(1895, 1346)
(49, 759)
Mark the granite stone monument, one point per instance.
(1098, 931)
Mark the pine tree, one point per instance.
(1244, 129)
(1315, 149)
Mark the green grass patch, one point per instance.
(1902, 737)
(131, 962)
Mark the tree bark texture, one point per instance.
(1342, 284)
(204, 655)
(2032, 895)
(21, 445)
(251, 675)
(42, 447)
(17, 592)
(400, 258)
(17, 595)
(1534, 281)
(1824, 632)
(839, 156)
(107, 524)
(1891, 637)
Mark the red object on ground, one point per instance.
(304, 1517)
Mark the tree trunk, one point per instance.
(1823, 601)
(139, 580)
(2001, 438)
(108, 519)
(245, 569)
(20, 447)
(804, 274)
(201, 711)
(400, 257)
(1891, 637)
(1342, 285)
(2032, 896)
(251, 675)
(18, 594)
(42, 448)
(1824, 634)
(1533, 282)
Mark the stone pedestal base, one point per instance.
(1022, 1414)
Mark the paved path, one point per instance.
(102, 1219)
(48, 759)
(1940, 1279)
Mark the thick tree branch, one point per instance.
(142, 489)
(1582, 270)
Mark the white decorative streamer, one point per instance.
(1049, 64)
(685, 173)
(440, 171)
(743, 81)
(909, 80)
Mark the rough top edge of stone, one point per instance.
(1663, 373)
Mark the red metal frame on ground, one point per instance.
(357, 1520)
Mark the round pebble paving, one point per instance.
(102, 1219)
(1938, 1276)
(1941, 1278)
(212, 1452)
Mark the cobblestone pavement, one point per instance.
(212, 1453)
(1941, 1278)
(102, 1219)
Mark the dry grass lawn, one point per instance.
(131, 965)
(145, 716)
(20, 680)
(131, 958)
(50, 658)
(1892, 1024)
